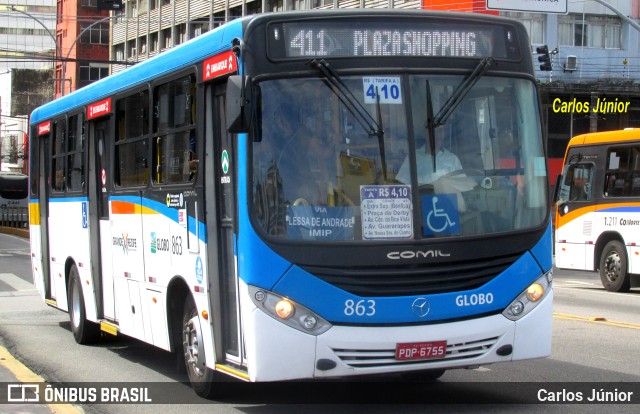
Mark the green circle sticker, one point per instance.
(225, 161)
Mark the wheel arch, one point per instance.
(177, 292)
(68, 264)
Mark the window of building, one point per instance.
(89, 3)
(131, 47)
(132, 140)
(200, 26)
(174, 140)
(132, 8)
(120, 15)
(95, 35)
(92, 72)
(119, 51)
(167, 41)
(181, 34)
(533, 22)
(153, 42)
(277, 5)
(589, 31)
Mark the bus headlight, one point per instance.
(530, 298)
(288, 312)
(284, 309)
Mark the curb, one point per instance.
(24, 233)
(24, 374)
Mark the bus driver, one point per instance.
(446, 162)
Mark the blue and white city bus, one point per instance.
(263, 198)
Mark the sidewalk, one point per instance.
(14, 371)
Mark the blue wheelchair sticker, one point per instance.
(85, 215)
(440, 215)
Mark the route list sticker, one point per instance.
(386, 212)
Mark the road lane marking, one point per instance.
(16, 282)
(596, 319)
(566, 283)
(24, 374)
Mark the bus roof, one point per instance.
(204, 46)
(195, 50)
(594, 138)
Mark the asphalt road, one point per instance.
(595, 338)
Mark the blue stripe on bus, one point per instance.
(541, 250)
(162, 209)
(68, 199)
(338, 306)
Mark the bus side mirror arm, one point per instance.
(239, 100)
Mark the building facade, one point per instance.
(27, 52)
(82, 33)
(27, 28)
(595, 81)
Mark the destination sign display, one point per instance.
(423, 38)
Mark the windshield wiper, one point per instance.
(452, 103)
(360, 113)
(461, 91)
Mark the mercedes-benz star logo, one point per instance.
(420, 307)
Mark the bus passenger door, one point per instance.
(221, 169)
(43, 191)
(101, 240)
(575, 237)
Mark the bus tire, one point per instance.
(200, 376)
(423, 376)
(84, 331)
(613, 267)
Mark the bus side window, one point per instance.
(58, 157)
(132, 118)
(174, 143)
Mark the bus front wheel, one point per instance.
(200, 376)
(84, 331)
(613, 267)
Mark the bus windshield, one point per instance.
(321, 172)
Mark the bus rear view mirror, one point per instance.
(239, 98)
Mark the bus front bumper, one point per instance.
(276, 352)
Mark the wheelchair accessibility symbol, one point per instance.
(440, 214)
